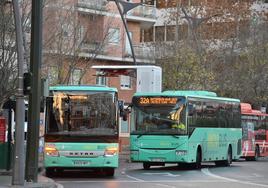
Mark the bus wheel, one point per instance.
(248, 158)
(228, 161)
(197, 164)
(257, 153)
(50, 172)
(146, 166)
(109, 172)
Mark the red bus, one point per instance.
(255, 133)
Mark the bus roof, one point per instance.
(246, 109)
(190, 93)
(82, 88)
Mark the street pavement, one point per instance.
(241, 174)
(43, 182)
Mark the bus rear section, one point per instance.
(180, 127)
(255, 133)
(81, 129)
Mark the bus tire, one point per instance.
(248, 158)
(50, 172)
(257, 153)
(109, 172)
(229, 158)
(146, 166)
(197, 164)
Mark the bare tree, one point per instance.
(221, 40)
(73, 35)
(8, 51)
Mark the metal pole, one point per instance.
(34, 98)
(128, 35)
(9, 138)
(19, 154)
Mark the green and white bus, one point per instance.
(184, 127)
(81, 129)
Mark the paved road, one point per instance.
(241, 174)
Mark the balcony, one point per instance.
(142, 51)
(146, 14)
(91, 5)
(92, 48)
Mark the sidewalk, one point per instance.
(43, 182)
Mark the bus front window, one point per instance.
(160, 118)
(82, 114)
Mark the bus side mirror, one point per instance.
(121, 108)
(126, 112)
(125, 115)
(122, 111)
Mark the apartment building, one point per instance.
(81, 33)
(214, 21)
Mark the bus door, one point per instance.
(248, 135)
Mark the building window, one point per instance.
(101, 80)
(148, 35)
(170, 33)
(160, 33)
(125, 82)
(53, 75)
(75, 77)
(66, 30)
(128, 47)
(114, 35)
(124, 126)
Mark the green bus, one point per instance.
(184, 127)
(81, 129)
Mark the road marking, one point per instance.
(137, 179)
(163, 173)
(143, 181)
(257, 175)
(164, 185)
(208, 173)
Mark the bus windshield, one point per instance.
(159, 115)
(82, 114)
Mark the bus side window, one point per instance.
(237, 116)
(210, 113)
(194, 118)
(266, 129)
(221, 116)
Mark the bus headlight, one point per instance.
(181, 152)
(51, 150)
(109, 152)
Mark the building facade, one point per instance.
(81, 33)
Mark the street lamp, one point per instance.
(19, 154)
(126, 6)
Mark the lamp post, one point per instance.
(126, 6)
(34, 97)
(19, 154)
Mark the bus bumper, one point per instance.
(159, 156)
(78, 162)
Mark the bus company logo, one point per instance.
(81, 153)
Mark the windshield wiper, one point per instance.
(163, 119)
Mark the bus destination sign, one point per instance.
(157, 100)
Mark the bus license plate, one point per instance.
(81, 163)
(157, 160)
